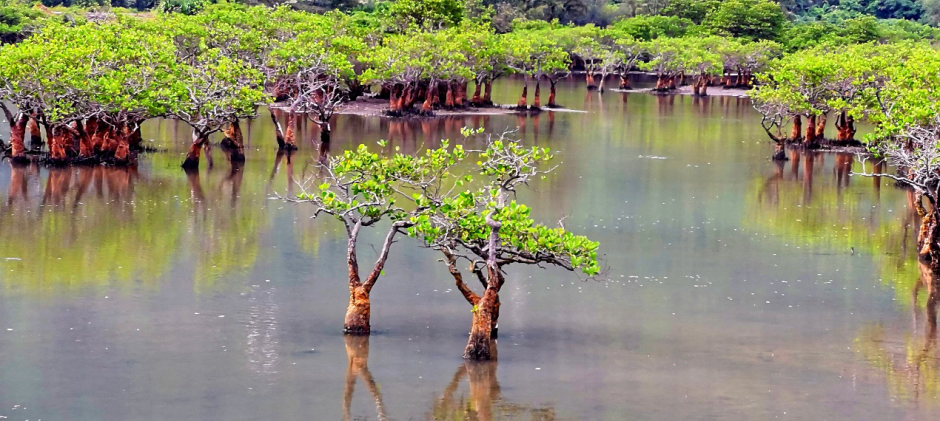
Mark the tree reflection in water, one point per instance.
(357, 351)
(910, 364)
(484, 400)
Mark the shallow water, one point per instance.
(738, 288)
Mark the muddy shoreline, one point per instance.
(375, 107)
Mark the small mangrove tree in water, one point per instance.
(488, 229)
(421, 195)
(361, 189)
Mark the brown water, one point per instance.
(733, 291)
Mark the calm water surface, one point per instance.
(733, 292)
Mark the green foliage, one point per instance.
(694, 10)
(186, 7)
(647, 28)
(428, 14)
(461, 220)
(15, 20)
(751, 19)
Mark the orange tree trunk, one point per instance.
(405, 98)
(524, 99)
(17, 133)
(537, 101)
(358, 312)
(703, 89)
(123, 135)
(60, 143)
(478, 347)
(488, 93)
(393, 99)
(810, 138)
(85, 145)
(624, 82)
(426, 107)
(821, 128)
(590, 80)
(289, 136)
(236, 141)
(477, 100)
(796, 133)
(449, 98)
(195, 150)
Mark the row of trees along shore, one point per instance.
(894, 87)
(90, 84)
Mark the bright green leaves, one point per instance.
(536, 52)
(841, 78)
(459, 218)
(364, 185)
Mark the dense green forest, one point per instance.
(579, 12)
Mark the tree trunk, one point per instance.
(123, 134)
(394, 102)
(780, 152)
(278, 132)
(17, 133)
(810, 139)
(85, 145)
(325, 132)
(358, 312)
(703, 89)
(524, 100)
(537, 101)
(192, 158)
(289, 137)
(449, 97)
(477, 100)
(590, 80)
(60, 141)
(797, 133)
(551, 94)
(850, 128)
(478, 346)
(426, 107)
(488, 93)
(821, 127)
(695, 89)
(35, 136)
(461, 98)
(625, 82)
(236, 141)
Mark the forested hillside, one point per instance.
(601, 12)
